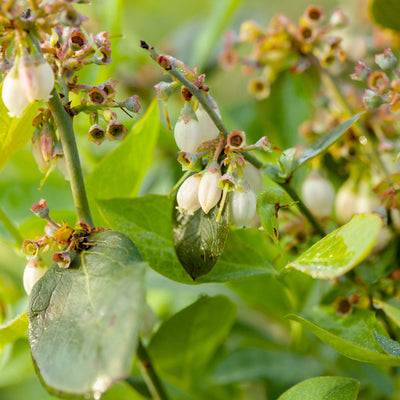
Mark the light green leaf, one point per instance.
(147, 221)
(351, 336)
(323, 388)
(84, 321)
(341, 250)
(324, 142)
(391, 311)
(185, 343)
(13, 330)
(390, 346)
(385, 13)
(15, 133)
(253, 364)
(120, 173)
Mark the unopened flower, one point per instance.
(209, 190)
(132, 104)
(37, 152)
(243, 207)
(207, 127)
(96, 134)
(13, 96)
(187, 130)
(47, 141)
(254, 177)
(36, 78)
(188, 194)
(116, 131)
(34, 270)
(386, 60)
(40, 209)
(318, 195)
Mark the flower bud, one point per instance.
(361, 72)
(207, 128)
(36, 78)
(209, 190)
(47, 139)
(318, 195)
(96, 134)
(188, 195)
(37, 152)
(132, 104)
(13, 96)
(40, 209)
(243, 207)
(386, 60)
(187, 132)
(370, 99)
(254, 177)
(34, 270)
(116, 131)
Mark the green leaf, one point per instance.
(147, 221)
(385, 13)
(185, 343)
(15, 133)
(324, 142)
(323, 388)
(341, 250)
(120, 173)
(351, 336)
(199, 239)
(84, 321)
(13, 330)
(391, 311)
(390, 346)
(254, 364)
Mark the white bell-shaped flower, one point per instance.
(243, 207)
(206, 125)
(188, 194)
(209, 191)
(254, 177)
(187, 130)
(34, 270)
(318, 195)
(13, 96)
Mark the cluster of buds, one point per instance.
(284, 44)
(383, 84)
(73, 239)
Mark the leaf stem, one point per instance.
(66, 131)
(150, 376)
(303, 208)
(11, 228)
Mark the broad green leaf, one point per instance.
(220, 14)
(120, 173)
(390, 346)
(324, 142)
(13, 330)
(323, 388)
(185, 343)
(351, 336)
(391, 311)
(147, 221)
(341, 250)
(15, 133)
(199, 239)
(385, 13)
(84, 321)
(252, 364)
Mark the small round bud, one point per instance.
(254, 177)
(187, 131)
(13, 96)
(96, 134)
(243, 207)
(34, 270)
(209, 190)
(318, 195)
(116, 131)
(188, 195)
(386, 60)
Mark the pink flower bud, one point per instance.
(243, 207)
(47, 139)
(209, 190)
(13, 96)
(36, 78)
(34, 270)
(37, 152)
(318, 195)
(187, 130)
(188, 195)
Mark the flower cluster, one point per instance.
(284, 44)
(57, 236)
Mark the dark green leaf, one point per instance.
(186, 342)
(120, 173)
(253, 364)
(351, 336)
(386, 13)
(199, 239)
(147, 221)
(341, 250)
(13, 330)
(323, 388)
(84, 321)
(324, 142)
